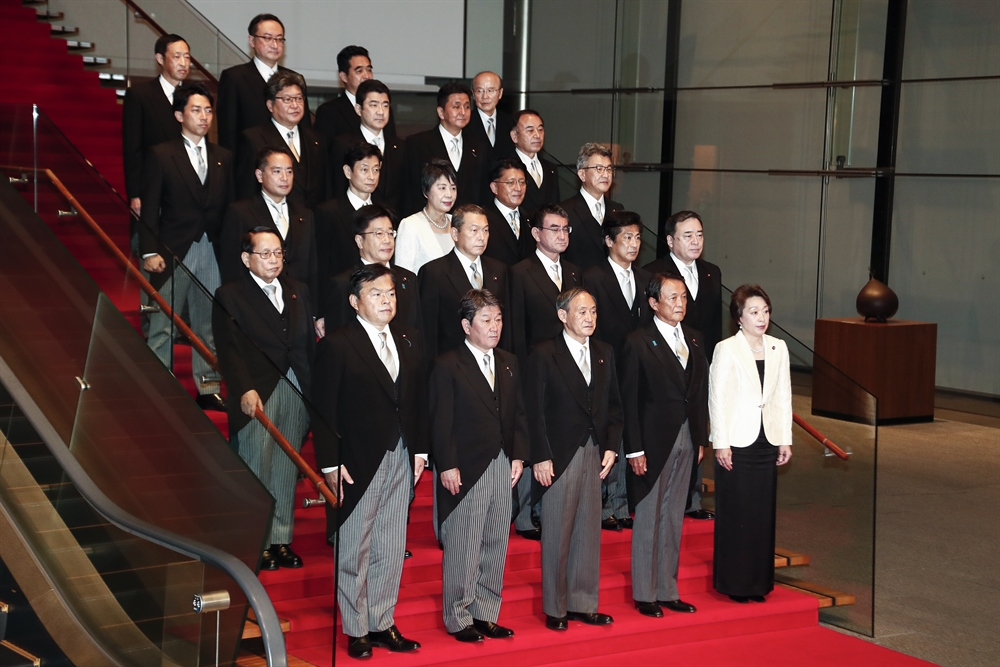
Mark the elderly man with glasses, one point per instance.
(588, 207)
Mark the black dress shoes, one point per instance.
(468, 634)
(392, 640)
(285, 557)
(556, 622)
(407, 554)
(678, 605)
(649, 609)
(491, 629)
(359, 647)
(590, 618)
(701, 515)
(268, 561)
(626, 522)
(758, 598)
(610, 523)
(533, 534)
(742, 599)
(211, 402)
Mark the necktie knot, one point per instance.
(599, 211)
(291, 144)
(680, 347)
(272, 294)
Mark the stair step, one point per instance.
(64, 30)
(76, 45)
(47, 15)
(96, 61)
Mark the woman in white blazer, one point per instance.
(426, 235)
(750, 407)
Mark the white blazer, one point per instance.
(417, 244)
(736, 403)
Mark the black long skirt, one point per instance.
(744, 520)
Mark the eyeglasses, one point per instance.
(381, 234)
(486, 91)
(602, 169)
(289, 100)
(266, 254)
(270, 39)
(520, 182)
(559, 230)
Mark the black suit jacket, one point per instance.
(659, 395)
(504, 145)
(312, 179)
(390, 180)
(533, 295)
(586, 244)
(503, 246)
(176, 208)
(338, 116)
(472, 423)
(473, 172)
(242, 103)
(147, 120)
(338, 311)
(335, 244)
(443, 283)
(300, 243)
(257, 345)
(705, 312)
(566, 411)
(615, 320)
(535, 197)
(362, 413)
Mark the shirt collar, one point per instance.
(366, 263)
(168, 88)
(369, 135)
(574, 347)
(478, 354)
(524, 158)
(448, 136)
(485, 116)
(271, 202)
(546, 262)
(666, 330)
(590, 200)
(371, 330)
(261, 283)
(504, 210)
(351, 97)
(265, 71)
(466, 260)
(201, 142)
(285, 130)
(680, 265)
(356, 201)
(618, 268)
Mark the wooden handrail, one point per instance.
(823, 440)
(196, 342)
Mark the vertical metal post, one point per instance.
(669, 122)
(516, 47)
(34, 151)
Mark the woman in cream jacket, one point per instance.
(750, 407)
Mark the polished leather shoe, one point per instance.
(285, 556)
(649, 609)
(701, 515)
(468, 634)
(533, 534)
(392, 640)
(268, 561)
(407, 554)
(758, 598)
(492, 630)
(211, 402)
(626, 522)
(678, 605)
(556, 622)
(359, 647)
(742, 599)
(610, 523)
(590, 618)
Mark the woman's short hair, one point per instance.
(739, 300)
(434, 170)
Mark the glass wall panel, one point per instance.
(859, 39)
(642, 43)
(639, 191)
(846, 243)
(640, 127)
(573, 120)
(572, 44)
(947, 39)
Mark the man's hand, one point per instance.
(335, 480)
(784, 454)
(638, 464)
(544, 472)
(249, 402)
(418, 468)
(516, 468)
(607, 463)
(701, 454)
(725, 458)
(451, 480)
(135, 205)
(154, 264)
(320, 325)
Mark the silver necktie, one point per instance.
(515, 223)
(385, 354)
(536, 172)
(491, 131)
(291, 145)
(556, 278)
(202, 166)
(629, 290)
(477, 280)
(272, 294)
(489, 371)
(584, 364)
(456, 157)
(599, 212)
(679, 347)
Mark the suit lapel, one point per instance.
(614, 290)
(366, 351)
(770, 362)
(190, 177)
(263, 306)
(571, 372)
(590, 224)
(504, 231)
(541, 277)
(664, 352)
(474, 376)
(459, 278)
(216, 175)
(747, 362)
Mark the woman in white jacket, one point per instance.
(750, 406)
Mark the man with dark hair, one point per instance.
(148, 112)
(375, 239)
(187, 183)
(664, 387)
(493, 126)
(444, 281)
(480, 437)
(576, 430)
(686, 240)
(263, 325)
(528, 135)
(447, 141)
(588, 207)
(617, 285)
(371, 444)
(338, 116)
(241, 87)
(511, 240)
(285, 100)
(374, 110)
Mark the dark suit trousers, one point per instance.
(571, 536)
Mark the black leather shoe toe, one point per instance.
(677, 605)
(533, 534)
(649, 609)
(285, 556)
(468, 634)
(556, 622)
(407, 554)
(392, 640)
(359, 647)
(492, 630)
(268, 561)
(758, 598)
(701, 515)
(610, 523)
(590, 618)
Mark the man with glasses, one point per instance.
(528, 135)
(241, 88)
(285, 129)
(263, 325)
(511, 240)
(588, 207)
(491, 125)
(338, 116)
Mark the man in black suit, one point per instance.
(375, 238)
(338, 116)
(447, 141)
(588, 207)
(187, 185)
(285, 129)
(480, 437)
(618, 286)
(271, 208)
(241, 87)
(148, 112)
(371, 444)
(528, 135)
(576, 430)
(373, 108)
(444, 281)
(493, 126)
(263, 325)
(686, 240)
(664, 386)
(509, 238)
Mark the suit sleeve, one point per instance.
(326, 380)
(132, 144)
(312, 265)
(698, 417)
(230, 264)
(442, 409)
(232, 347)
(244, 176)
(783, 395)
(723, 387)
(228, 111)
(616, 412)
(518, 335)
(429, 305)
(535, 381)
(522, 441)
(152, 191)
(629, 385)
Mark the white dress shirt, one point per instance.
(574, 350)
(620, 274)
(265, 71)
(478, 354)
(372, 138)
(528, 161)
(466, 262)
(690, 274)
(280, 305)
(591, 201)
(551, 268)
(356, 201)
(191, 146)
(283, 131)
(505, 212)
(486, 123)
(168, 88)
(277, 210)
(351, 98)
(449, 138)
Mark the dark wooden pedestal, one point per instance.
(894, 361)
